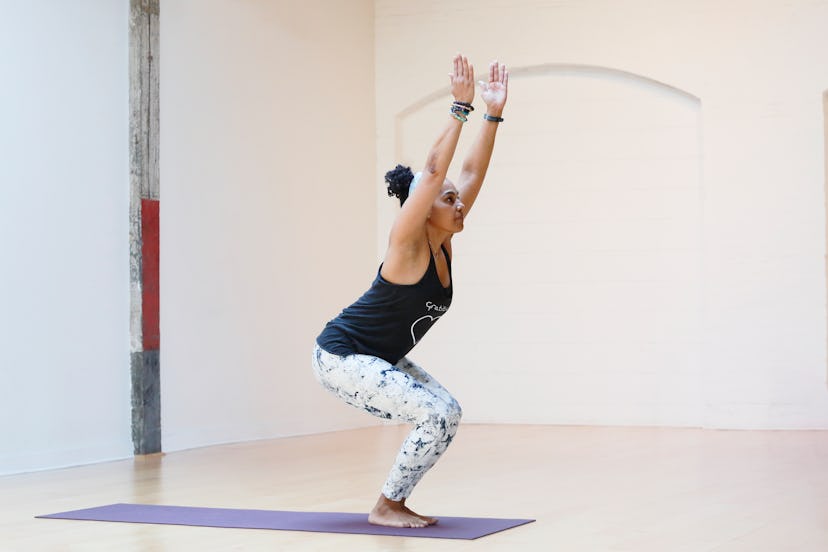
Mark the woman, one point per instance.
(360, 355)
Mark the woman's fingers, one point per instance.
(497, 72)
(465, 71)
(456, 64)
(462, 69)
(462, 79)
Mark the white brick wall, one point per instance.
(64, 277)
(267, 211)
(640, 256)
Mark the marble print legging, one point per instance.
(402, 392)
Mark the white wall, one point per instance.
(590, 288)
(270, 185)
(64, 281)
(267, 208)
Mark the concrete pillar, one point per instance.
(144, 226)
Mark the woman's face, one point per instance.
(447, 212)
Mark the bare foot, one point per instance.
(395, 514)
(427, 519)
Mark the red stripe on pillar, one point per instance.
(150, 274)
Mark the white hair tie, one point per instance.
(414, 182)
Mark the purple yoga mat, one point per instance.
(322, 522)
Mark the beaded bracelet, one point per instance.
(460, 111)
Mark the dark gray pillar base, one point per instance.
(146, 402)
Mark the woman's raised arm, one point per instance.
(494, 94)
(410, 223)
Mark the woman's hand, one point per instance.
(495, 91)
(462, 80)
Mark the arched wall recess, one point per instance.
(546, 70)
(578, 276)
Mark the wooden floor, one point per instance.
(591, 489)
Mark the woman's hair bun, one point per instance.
(399, 178)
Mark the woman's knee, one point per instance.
(445, 418)
(454, 413)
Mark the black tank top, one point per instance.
(389, 319)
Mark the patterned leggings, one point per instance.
(400, 392)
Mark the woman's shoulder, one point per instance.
(405, 263)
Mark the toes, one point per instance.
(416, 523)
